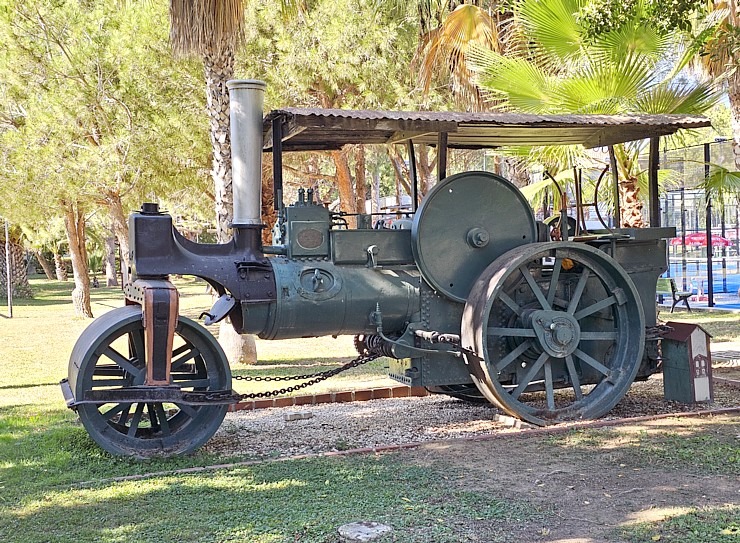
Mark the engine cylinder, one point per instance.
(317, 298)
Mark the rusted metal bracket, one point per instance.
(159, 302)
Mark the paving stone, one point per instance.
(362, 532)
(298, 416)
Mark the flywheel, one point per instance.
(466, 222)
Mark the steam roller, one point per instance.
(470, 297)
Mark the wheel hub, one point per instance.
(558, 333)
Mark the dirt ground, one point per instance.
(585, 487)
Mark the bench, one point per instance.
(668, 286)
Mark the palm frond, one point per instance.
(721, 180)
(552, 28)
(523, 85)
(448, 45)
(679, 98)
(633, 37)
(200, 25)
(607, 84)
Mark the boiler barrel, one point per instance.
(317, 298)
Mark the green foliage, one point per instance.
(602, 16)
(569, 68)
(101, 108)
(337, 53)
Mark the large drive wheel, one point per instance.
(110, 354)
(554, 332)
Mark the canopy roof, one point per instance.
(330, 129)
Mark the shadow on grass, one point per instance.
(707, 448)
(286, 501)
(28, 385)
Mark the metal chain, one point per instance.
(313, 378)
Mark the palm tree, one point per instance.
(212, 30)
(720, 57)
(562, 70)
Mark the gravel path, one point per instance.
(265, 433)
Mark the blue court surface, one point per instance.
(691, 275)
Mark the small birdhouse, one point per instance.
(687, 364)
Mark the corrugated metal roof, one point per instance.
(327, 129)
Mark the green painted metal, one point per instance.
(465, 223)
(110, 354)
(552, 315)
(319, 298)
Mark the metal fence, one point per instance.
(686, 205)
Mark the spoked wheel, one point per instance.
(110, 354)
(554, 332)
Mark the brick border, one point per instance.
(401, 391)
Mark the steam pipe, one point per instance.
(246, 98)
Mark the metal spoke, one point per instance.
(164, 424)
(189, 355)
(152, 416)
(122, 361)
(135, 420)
(189, 410)
(591, 361)
(513, 355)
(512, 332)
(529, 376)
(549, 388)
(113, 411)
(593, 308)
(599, 336)
(554, 281)
(108, 369)
(576, 298)
(535, 287)
(97, 383)
(136, 346)
(574, 377)
(510, 303)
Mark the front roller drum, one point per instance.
(554, 332)
(110, 355)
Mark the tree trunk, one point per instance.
(119, 224)
(18, 277)
(45, 265)
(401, 169)
(733, 93)
(60, 267)
(630, 204)
(360, 182)
(425, 167)
(219, 68)
(111, 279)
(344, 180)
(74, 222)
(269, 215)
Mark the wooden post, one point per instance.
(653, 166)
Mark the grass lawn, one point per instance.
(45, 454)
